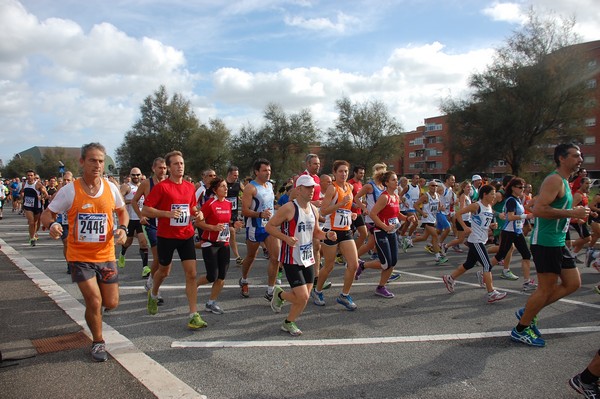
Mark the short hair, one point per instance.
(357, 168)
(309, 157)
(91, 146)
(259, 162)
(562, 150)
(30, 171)
(387, 176)
(338, 163)
(448, 176)
(232, 168)
(172, 154)
(157, 160)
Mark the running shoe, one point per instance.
(359, 269)
(152, 304)
(405, 244)
(32, 242)
(587, 390)
(99, 352)
(213, 308)
(508, 275)
(279, 277)
(292, 328)
(495, 296)
(589, 257)
(121, 261)
(244, 288)
(410, 242)
(268, 296)
(276, 301)
(443, 249)
(457, 248)
(196, 322)
(68, 269)
(318, 298)
(239, 260)
(146, 271)
(383, 292)
(597, 289)
(339, 260)
(527, 337)
(480, 278)
(346, 301)
(529, 285)
(441, 260)
(394, 276)
(532, 325)
(148, 285)
(327, 285)
(429, 248)
(449, 282)
(159, 299)
(265, 254)
(596, 265)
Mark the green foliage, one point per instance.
(50, 162)
(532, 95)
(170, 124)
(17, 166)
(364, 134)
(284, 140)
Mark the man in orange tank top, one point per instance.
(90, 203)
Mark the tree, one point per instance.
(49, 165)
(532, 95)
(17, 166)
(170, 124)
(364, 134)
(284, 140)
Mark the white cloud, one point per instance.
(506, 12)
(413, 83)
(344, 23)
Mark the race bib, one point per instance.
(566, 228)
(306, 254)
(224, 234)
(392, 221)
(234, 203)
(29, 201)
(519, 223)
(184, 216)
(433, 208)
(92, 227)
(343, 218)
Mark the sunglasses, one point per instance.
(136, 174)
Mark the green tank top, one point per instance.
(552, 232)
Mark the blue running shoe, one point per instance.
(318, 298)
(527, 337)
(346, 301)
(532, 325)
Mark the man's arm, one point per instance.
(552, 188)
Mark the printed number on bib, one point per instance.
(224, 234)
(392, 221)
(92, 227)
(306, 254)
(29, 201)
(184, 215)
(233, 201)
(342, 218)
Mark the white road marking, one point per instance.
(369, 341)
(150, 373)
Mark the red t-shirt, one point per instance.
(356, 186)
(389, 214)
(167, 196)
(216, 212)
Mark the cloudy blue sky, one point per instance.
(74, 71)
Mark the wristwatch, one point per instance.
(122, 226)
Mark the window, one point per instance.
(501, 163)
(439, 139)
(590, 140)
(419, 141)
(592, 64)
(412, 142)
(589, 122)
(589, 159)
(411, 154)
(439, 153)
(432, 127)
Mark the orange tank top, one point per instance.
(341, 219)
(91, 223)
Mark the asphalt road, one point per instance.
(423, 343)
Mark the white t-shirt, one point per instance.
(63, 200)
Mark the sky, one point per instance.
(73, 72)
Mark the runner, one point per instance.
(216, 235)
(258, 201)
(386, 218)
(159, 173)
(482, 217)
(296, 224)
(552, 258)
(234, 188)
(129, 191)
(427, 206)
(173, 203)
(32, 194)
(89, 204)
(336, 209)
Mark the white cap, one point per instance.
(475, 177)
(306, 181)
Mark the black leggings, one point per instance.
(216, 261)
(507, 239)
